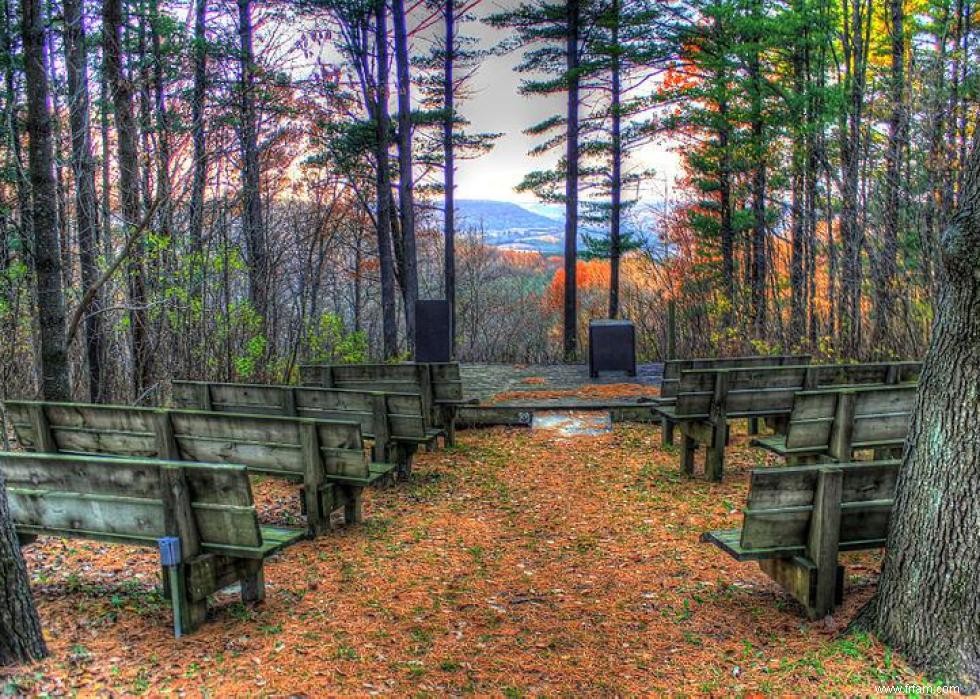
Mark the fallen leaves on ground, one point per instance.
(519, 562)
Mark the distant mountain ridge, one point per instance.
(494, 216)
(513, 226)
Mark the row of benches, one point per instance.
(121, 474)
(707, 398)
(798, 518)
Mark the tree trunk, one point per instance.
(856, 21)
(162, 126)
(449, 172)
(886, 269)
(200, 155)
(47, 258)
(615, 238)
(121, 90)
(21, 640)
(797, 313)
(727, 230)
(926, 605)
(86, 203)
(406, 186)
(252, 226)
(760, 247)
(570, 330)
(383, 181)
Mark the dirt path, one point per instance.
(518, 563)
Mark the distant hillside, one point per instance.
(508, 225)
(494, 216)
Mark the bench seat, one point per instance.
(729, 541)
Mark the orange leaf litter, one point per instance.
(520, 562)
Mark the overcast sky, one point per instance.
(495, 105)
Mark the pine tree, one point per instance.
(553, 37)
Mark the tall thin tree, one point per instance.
(406, 182)
(47, 257)
(253, 226)
(120, 88)
(86, 202)
(570, 325)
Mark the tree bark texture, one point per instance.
(927, 605)
(21, 640)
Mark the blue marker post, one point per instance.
(170, 560)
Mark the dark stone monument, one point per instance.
(432, 327)
(612, 347)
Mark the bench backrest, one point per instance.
(294, 449)
(447, 381)
(769, 390)
(131, 501)
(382, 416)
(673, 367)
(840, 420)
(388, 378)
(781, 504)
(444, 378)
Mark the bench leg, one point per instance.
(800, 577)
(403, 455)
(714, 460)
(192, 613)
(253, 582)
(824, 540)
(687, 455)
(779, 423)
(666, 432)
(450, 414)
(353, 509)
(753, 425)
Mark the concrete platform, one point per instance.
(553, 387)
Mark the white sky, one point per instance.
(496, 105)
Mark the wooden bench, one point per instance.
(327, 458)
(396, 422)
(208, 507)
(798, 518)
(709, 398)
(831, 424)
(670, 385)
(439, 386)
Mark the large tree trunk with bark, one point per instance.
(86, 203)
(927, 605)
(47, 258)
(570, 329)
(21, 640)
